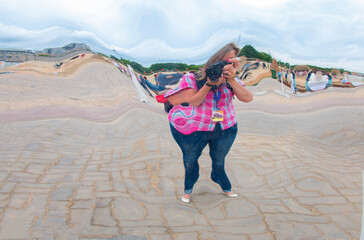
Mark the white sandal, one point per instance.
(185, 200)
(230, 194)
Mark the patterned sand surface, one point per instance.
(81, 157)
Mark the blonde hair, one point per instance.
(216, 57)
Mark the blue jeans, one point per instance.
(220, 142)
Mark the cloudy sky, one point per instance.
(318, 32)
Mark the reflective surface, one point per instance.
(82, 157)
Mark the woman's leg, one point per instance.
(220, 144)
(191, 146)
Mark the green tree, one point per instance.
(194, 67)
(113, 57)
(250, 52)
(168, 66)
(265, 57)
(138, 67)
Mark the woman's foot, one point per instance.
(186, 198)
(230, 194)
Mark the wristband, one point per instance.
(208, 84)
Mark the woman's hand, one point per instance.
(235, 62)
(229, 72)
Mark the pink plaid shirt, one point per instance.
(190, 119)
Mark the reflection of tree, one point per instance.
(248, 67)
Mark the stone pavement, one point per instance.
(71, 178)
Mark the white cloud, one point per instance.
(320, 32)
(149, 49)
(15, 37)
(263, 3)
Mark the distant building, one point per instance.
(16, 55)
(10, 57)
(56, 52)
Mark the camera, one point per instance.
(214, 71)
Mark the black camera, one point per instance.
(214, 71)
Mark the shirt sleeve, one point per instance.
(188, 81)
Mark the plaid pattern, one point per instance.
(190, 119)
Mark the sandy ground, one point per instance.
(82, 157)
(92, 82)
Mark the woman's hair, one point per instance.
(201, 75)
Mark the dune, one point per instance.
(82, 157)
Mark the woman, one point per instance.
(203, 114)
(292, 78)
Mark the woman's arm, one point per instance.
(192, 96)
(240, 91)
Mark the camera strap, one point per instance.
(217, 95)
(217, 115)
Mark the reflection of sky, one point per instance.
(323, 33)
